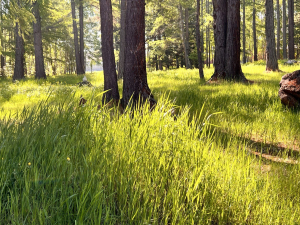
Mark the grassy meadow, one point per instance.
(229, 156)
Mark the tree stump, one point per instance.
(289, 91)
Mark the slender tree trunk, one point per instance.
(2, 59)
(291, 29)
(284, 29)
(202, 33)
(19, 55)
(38, 46)
(81, 17)
(187, 34)
(278, 30)
(198, 41)
(109, 65)
(244, 32)
(79, 68)
(122, 40)
(227, 40)
(206, 36)
(271, 59)
(135, 85)
(254, 32)
(184, 40)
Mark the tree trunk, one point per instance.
(38, 46)
(284, 29)
(198, 38)
(187, 34)
(227, 40)
(271, 59)
(109, 65)
(122, 40)
(220, 32)
(79, 68)
(135, 85)
(19, 55)
(278, 30)
(82, 62)
(184, 40)
(254, 32)
(291, 29)
(202, 33)
(244, 32)
(2, 59)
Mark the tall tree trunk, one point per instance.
(81, 17)
(220, 33)
(2, 59)
(278, 30)
(254, 32)
(291, 29)
(284, 29)
(19, 55)
(198, 41)
(227, 40)
(38, 46)
(271, 59)
(187, 34)
(122, 40)
(201, 32)
(109, 65)
(244, 32)
(184, 40)
(135, 85)
(206, 36)
(79, 68)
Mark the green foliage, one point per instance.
(65, 164)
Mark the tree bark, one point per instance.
(184, 40)
(19, 55)
(284, 29)
(291, 29)
(244, 32)
(227, 40)
(187, 34)
(81, 17)
(135, 85)
(122, 40)
(254, 32)
(79, 67)
(38, 46)
(271, 58)
(198, 41)
(2, 59)
(109, 65)
(278, 30)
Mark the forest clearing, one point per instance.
(65, 164)
(193, 120)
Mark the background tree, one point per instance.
(291, 29)
(284, 28)
(38, 47)
(271, 58)
(198, 40)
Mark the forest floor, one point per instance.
(230, 156)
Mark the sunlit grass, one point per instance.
(65, 164)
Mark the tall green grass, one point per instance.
(65, 164)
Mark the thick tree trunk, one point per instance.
(271, 58)
(79, 67)
(19, 55)
(254, 32)
(291, 29)
(284, 29)
(278, 30)
(38, 46)
(109, 65)
(135, 85)
(184, 39)
(198, 41)
(220, 33)
(244, 32)
(82, 62)
(227, 40)
(122, 40)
